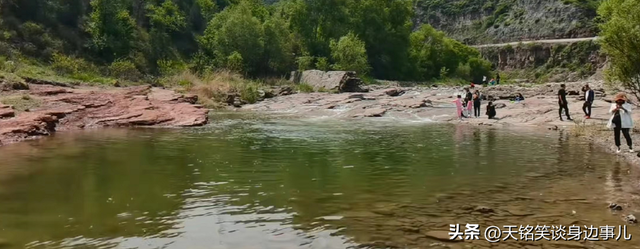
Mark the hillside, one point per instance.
(497, 21)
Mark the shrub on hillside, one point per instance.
(69, 65)
(124, 69)
(171, 67)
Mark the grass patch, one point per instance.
(22, 103)
(304, 88)
(581, 129)
(217, 89)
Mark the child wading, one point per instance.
(621, 120)
(458, 103)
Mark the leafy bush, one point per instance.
(124, 69)
(350, 54)
(7, 65)
(479, 67)
(63, 64)
(304, 88)
(249, 92)
(234, 62)
(464, 71)
(68, 65)
(322, 64)
(304, 62)
(171, 67)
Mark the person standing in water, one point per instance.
(589, 96)
(458, 103)
(562, 102)
(476, 103)
(621, 120)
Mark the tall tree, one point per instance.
(165, 20)
(349, 53)
(384, 26)
(112, 28)
(235, 29)
(619, 39)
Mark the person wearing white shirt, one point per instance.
(621, 120)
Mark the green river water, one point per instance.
(251, 182)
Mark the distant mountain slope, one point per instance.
(498, 21)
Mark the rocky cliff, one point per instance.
(554, 62)
(497, 21)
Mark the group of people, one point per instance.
(494, 81)
(620, 110)
(589, 97)
(472, 101)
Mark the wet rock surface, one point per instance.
(614, 206)
(436, 104)
(631, 219)
(69, 109)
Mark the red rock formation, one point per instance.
(69, 109)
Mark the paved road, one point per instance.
(572, 40)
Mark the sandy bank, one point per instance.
(57, 108)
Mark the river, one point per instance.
(264, 182)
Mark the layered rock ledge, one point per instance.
(65, 108)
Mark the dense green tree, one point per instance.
(165, 20)
(235, 29)
(350, 54)
(278, 50)
(384, 26)
(112, 29)
(207, 8)
(316, 22)
(619, 39)
(158, 37)
(433, 55)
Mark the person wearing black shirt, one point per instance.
(468, 97)
(562, 102)
(476, 103)
(491, 110)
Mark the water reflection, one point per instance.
(290, 184)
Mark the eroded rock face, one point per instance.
(68, 109)
(6, 111)
(338, 81)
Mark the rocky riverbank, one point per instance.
(39, 109)
(435, 104)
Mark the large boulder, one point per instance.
(335, 81)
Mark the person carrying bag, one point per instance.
(621, 120)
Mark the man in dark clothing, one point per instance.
(468, 97)
(589, 96)
(476, 103)
(562, 102)
(497, 79)
(491, 110)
